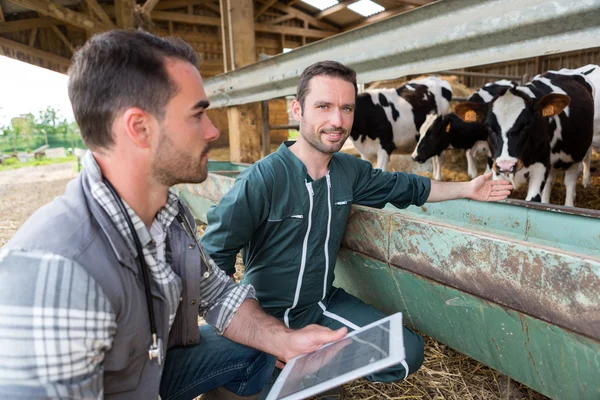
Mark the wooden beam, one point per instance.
(380, 16)
(167, 5)
(124, 11)
(264, 8)
(149, 6)
(99, 11)
(32, 37)
(332, 10)
(45, 7)
(281, 19)
(289, 30)
(64, 39)
(32, 51)
(225, 43)
(416, 3)
(27, 24)
(2, 19)
(211, 6)
(185, 18)
(304, 16)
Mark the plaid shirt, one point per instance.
(56, 323)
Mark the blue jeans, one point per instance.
(216, 361)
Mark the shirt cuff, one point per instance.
(221, 314)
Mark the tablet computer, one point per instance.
(362, 352)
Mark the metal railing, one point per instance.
(442, 36)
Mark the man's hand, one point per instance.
(483, 188)
(308, 339)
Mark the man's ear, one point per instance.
(138, 126)
(296, 110)
(470, 111)
(552, 104)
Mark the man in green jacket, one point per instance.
(288, 212)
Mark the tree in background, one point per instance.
(47, 127)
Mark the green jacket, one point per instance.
(290, 227)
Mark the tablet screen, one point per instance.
(354, 352)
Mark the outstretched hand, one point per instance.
(310, 338)
(483, 188)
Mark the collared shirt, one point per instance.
(49, 347)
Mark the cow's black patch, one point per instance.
(537, 198)
(383, 100)
(371, 121)
(447, 94)
(395, 113)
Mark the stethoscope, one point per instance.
(155, 350)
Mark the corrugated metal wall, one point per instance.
(534, 66)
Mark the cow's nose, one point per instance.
(506, 165)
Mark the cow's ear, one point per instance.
(470, 111)
(552, 104)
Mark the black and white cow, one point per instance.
(439, 133)
(388, 120)
(592, 74)
(537, 129)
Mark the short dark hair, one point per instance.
(328, 68)
(119, 69)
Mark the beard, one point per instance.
(172, 166)
(315, 139)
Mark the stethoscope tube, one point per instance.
(156, 347)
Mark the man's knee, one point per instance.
(414, 349)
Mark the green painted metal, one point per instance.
(515, 286)
(547, 358)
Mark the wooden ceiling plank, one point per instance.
(32, 51)
(304, 16)
(63, 38)
(332, 10)
(416, 3)
(99, 11)
(45, 7)
(264, 8)
(26, 24)
(185, 18)
(32, 36)
(167, 5)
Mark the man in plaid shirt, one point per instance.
(75, 320)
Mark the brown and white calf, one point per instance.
(537, 129)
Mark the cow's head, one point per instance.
(434, 137)
(516, 127)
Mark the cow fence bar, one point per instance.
(446, 35)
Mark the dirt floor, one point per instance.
(446, 374)
(24, 190)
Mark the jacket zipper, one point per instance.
(286, 318)
(327, 237)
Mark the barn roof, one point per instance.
(45, 33)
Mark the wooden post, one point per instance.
(244, 120)
(266, 130)
(124, 10)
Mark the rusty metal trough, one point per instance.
(513, 285)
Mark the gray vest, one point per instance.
(76, 227)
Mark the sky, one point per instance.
(25, 88)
